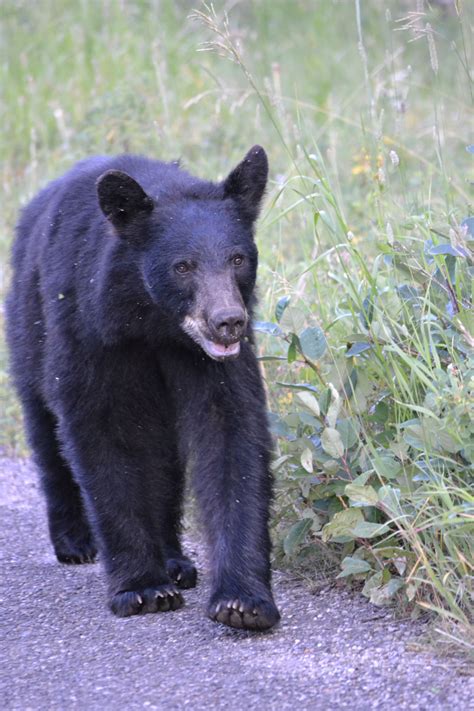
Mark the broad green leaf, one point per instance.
(334, 489)
(297, 386)
(412, 589)
(320, 492)
(335, 506)
(342, 525)
(306, 460)
(362, 389)
(365, 529)
(324, 400)
(334, 406)
(367, 312)
(316, 522)
(313, 342)
(447, 248)
(331, 466)
(353, 566)
(281, 306)
(384, 594)
(375, 581)
(305, 486)
(381, 331)
(310, 402)
(278, 426)
(400, 564)
(362, 478)
(415, 437)
(349, 434)
(277, 463)
(308, 419)
(299, 473)
(332, 443)
(292, 319)
(296, 534)
(386, 466)
(292, 420)
(292, 352)
(388, 303)
(340, 375)
(390, 500)
(408, 292)
(444, 440)
(380, 413)
(357, 348)
(392, 551)
(266, 327)
(362, 495)
(400, 449)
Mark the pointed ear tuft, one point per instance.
(121, 198)
(247, 182)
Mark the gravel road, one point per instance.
(61, 649)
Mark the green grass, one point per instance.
(365, 111)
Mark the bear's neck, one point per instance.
(118, 306)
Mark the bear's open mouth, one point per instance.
(215, 350)
(220, 351)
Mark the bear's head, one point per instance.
(194, 244)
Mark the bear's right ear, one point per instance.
(121, 198)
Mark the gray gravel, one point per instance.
(61, 649)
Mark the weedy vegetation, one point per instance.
(366, 327)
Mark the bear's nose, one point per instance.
(228, 324)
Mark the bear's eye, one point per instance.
(182, 268)
(238, 260)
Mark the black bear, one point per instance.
(129, 326)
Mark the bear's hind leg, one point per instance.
(69, 528)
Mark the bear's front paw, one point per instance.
(75, 551)
(244, 612)
(182, 572)
(137, 602)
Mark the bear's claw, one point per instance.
(139, 602)
(74, 552)
(245, 613)
(182, 572)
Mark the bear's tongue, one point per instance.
(219, 350)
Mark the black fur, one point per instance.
(129, 328)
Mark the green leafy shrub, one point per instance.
(376, 448)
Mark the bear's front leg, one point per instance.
(234, 493)
(228, 443)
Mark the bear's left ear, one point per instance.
(247, 182)
(121, 198)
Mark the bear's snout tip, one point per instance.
(228, 325)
